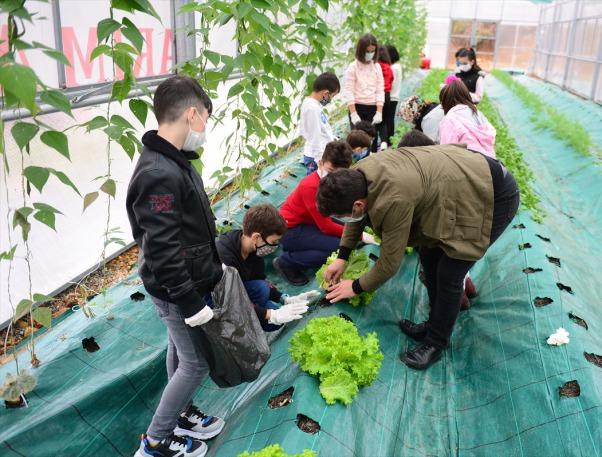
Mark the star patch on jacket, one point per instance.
(162, 203)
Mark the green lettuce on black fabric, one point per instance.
(357, 265)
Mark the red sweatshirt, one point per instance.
(300, 208)
(387, 75)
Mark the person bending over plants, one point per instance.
(360, 143)
(449, 202)
(245, 249)
(173, 224)
(311, 237)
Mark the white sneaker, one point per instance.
(198, 425)
(172, 446)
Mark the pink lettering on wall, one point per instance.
(166, 56)
(71, 48)
(146, 54)
(22, 58)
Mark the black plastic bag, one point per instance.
(235, 345)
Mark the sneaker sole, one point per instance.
(199, 435)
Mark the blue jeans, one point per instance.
(305, 246)
(310, 164)
(259, 293)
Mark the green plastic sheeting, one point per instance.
(494, 393)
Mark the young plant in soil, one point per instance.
(357, 265)
(332, 349)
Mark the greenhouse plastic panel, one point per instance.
(496, 392)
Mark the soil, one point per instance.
(554, 260)
(577, 320)
(593, 358)
(307, 425)
(524, 246)
(565, 288)
(282, 399)
(530, 270)
(114, 272)
(542, 301)
(570, 389)
(547, 240)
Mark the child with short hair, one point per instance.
(245, 250)
(172, 222)
(360, 143)
(314, 125)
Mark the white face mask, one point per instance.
(322, 173)
(194, 139)
(464, 68)
(369, 56)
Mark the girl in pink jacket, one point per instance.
(463, 123)
(364, 84)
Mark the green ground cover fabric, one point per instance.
(494, 393)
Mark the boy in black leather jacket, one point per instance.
(172, 222)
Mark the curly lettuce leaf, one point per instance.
(338, 386)
(275, 450)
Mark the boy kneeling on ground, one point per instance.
(245, 249)
(311, 237)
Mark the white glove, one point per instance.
(369, 239)
(287, 313)
(200, 318)
(378, 118)
(306, 297)
(355, 118)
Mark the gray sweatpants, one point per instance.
(186, 369)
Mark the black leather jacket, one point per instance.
(174, 226)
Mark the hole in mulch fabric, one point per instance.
(519, 226)
(522, 247)
(265, 193)
(292, 174)
(91, 297)
(346, 317)
(570, 389)
(554, 260)
(137, 296)
(547, 240)
(90, 344)
(324, 302)
(373, 257)
(282, 399)
(530, 270)
(542, 301)
(246, 206)
(565, 288)
(577, 320)
(227, 222)
(307, 424)
(20, 403)
(593, 358)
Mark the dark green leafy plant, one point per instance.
(332, 349)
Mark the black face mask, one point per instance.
(325, 101)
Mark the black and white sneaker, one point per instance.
(198, 425)
(172, 446)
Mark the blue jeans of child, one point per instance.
(305, 246)
(259, 293)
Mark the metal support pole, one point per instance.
(183, 24)
(571, 43)
(58, 41)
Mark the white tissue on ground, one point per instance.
(559, 338)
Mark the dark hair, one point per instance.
(339, 190)
(176, 94)
(415, 138)
(338, 153)
(471, 54)
(393, 54)
(362, 45)
(367, 127)
(358, 139)
(265, 220)
(383, 54)
(456, 93)
(327, 81)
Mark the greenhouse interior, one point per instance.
(373, 228)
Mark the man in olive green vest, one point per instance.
(450, 203)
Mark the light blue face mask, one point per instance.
(361, 154)
(369, 56)
(349, 219)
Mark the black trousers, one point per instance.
(445, 275)
(366, 113)
(389, 109)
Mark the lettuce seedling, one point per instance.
(357, 265)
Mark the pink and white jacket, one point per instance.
(461, 126)
(364, 84)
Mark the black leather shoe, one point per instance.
(415, 331)
(292, 275)
(421, 357)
